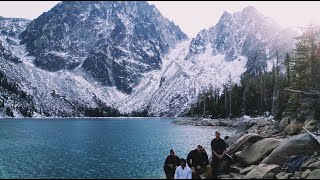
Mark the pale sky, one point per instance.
(194, 16)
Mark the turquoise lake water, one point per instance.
(95, 148)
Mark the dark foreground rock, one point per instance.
(315, 174)
(257, 157)
(234, 138)
(297, 145)
(243, 142)
(256, 152)
(260, 149)
(260, 171)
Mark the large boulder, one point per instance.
(235, 176)
(241, 127)
(305, 174)
(270, 175)
(284, 123)
(284, 175)
(313, 136)
(260, 171)
(307, 163)
(254, 129)
(315, 165)
(243, 142)
(303, 144)
(256, 152)
(234, 138)
(297, 174)
(235, 168)
(269, 130)
(315, 174)
(293, 128)
(244, 125)
(247, 169)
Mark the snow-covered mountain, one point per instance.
(114, 42)
(245, 41)
(246, 33)
(128, 56)
(26, 87)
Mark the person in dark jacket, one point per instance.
(219, 149)
(171, 163)
(199, 163)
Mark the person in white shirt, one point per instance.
(183, 171)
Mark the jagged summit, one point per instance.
(245, 33)
(114, 42)
(225, 14)
(250, 9)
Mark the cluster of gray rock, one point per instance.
(258, 157)
(262, 146)
(292, 126)
(196, 121)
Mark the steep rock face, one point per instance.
(114, 42)
(246, 33)
(27, 90)
(10, 28)
(6, 54)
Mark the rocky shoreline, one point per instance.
(263, 126)
(195, 121)
(266, 149)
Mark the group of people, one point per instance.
(197, 162)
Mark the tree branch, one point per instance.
(314, 91)
(313, 94)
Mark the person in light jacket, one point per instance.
(183, 171)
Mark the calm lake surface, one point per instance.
(95, 148)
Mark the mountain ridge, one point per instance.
(132, 66)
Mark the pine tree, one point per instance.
(287, 63)
(304, 70)
(230, 84)
(306, 60)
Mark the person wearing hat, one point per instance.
(171, 163)
(199, 163)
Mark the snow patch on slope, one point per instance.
(182, 81)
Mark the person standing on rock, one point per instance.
(199, 163)
(219, 149)
(183, 171)
(171, 163)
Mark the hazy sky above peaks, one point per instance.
(192, 16)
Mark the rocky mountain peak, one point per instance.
(245, 33)
(250, 10)
(113, 41)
